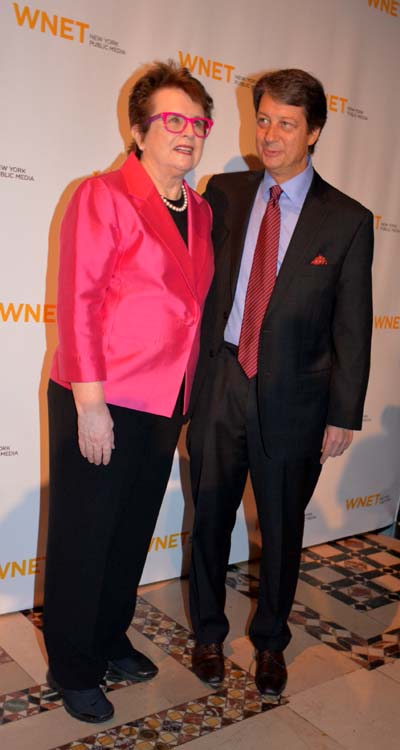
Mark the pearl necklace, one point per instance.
(170, 205)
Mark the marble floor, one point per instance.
(343, 662)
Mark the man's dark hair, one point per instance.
(296, 87)
(163, 75)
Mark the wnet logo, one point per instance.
(363, 502)
(39, 20)
(390, 7)
(341, 106)
(336, 103)
(13, 568)
(385, 226)
(391, 322)
(169, 541)
(22, 312)
(201, 66)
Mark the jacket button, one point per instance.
(225, 316)
(211, 352)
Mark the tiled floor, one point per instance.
(343, 660)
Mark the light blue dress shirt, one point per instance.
(291, 203)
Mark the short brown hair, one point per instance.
(296, 87)
(162, 75)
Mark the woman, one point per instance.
(135, 267)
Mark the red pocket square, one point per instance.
(319, 260)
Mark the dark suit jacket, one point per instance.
(314, 352)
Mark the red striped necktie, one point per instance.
(261, 283)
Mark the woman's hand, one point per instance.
(95, 426)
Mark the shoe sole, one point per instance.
(213, 683)
(87, 719)
(275, 699)
(53, 685)
(272, 697)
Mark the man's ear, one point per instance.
(313, 136)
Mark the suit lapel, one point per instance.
(313, 214)
(152, 210)
(239, 220)
(157, 216)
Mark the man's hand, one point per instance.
(95, 425)
(336, 441)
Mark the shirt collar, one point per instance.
(295, 189)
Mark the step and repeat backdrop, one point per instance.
(66, 69)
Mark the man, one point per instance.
(286, 351)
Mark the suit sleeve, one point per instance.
(352, 330)
(88, 254)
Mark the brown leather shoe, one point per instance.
(271, 673)
(208, 662)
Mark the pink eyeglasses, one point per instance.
(176, 123)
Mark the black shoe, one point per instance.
(208, 662)
(136, 667)
(271, 673)
(86, 705)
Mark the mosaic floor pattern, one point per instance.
(363, 561)
(236, 699)
(361, 572)
(358, 572)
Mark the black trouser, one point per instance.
(225, 443)
(101, 521)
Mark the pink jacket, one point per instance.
(130, 292)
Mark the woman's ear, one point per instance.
(137, 136)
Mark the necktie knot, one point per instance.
(275, 193)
